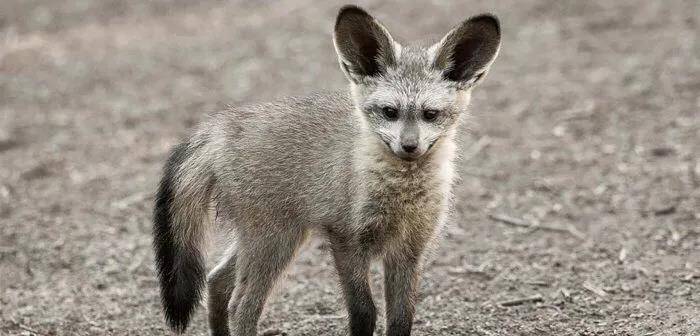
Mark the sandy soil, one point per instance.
(588, 126)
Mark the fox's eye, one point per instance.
(390, 113)
(430, 115)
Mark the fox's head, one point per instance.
(410, 97)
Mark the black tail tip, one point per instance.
(182, 277)
(181, 292)
(177, 320)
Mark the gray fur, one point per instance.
(329, 163)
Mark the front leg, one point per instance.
(401, 278)
(353, 269)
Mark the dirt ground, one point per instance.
(588, 127)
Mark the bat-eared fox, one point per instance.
(369, 170)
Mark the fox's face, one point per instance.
(409, 97)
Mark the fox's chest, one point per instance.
(398, 208)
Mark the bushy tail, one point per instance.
(180, 217)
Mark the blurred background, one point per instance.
(577, 211)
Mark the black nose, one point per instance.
(409, 148)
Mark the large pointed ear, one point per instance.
(364, 46)
(467, 51)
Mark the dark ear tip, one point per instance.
(350, 11)
(487, 20)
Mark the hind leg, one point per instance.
(261, 260)
(221, 281)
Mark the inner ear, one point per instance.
(465, 60)
(364, 46)
(467, 51)
(368, 51)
